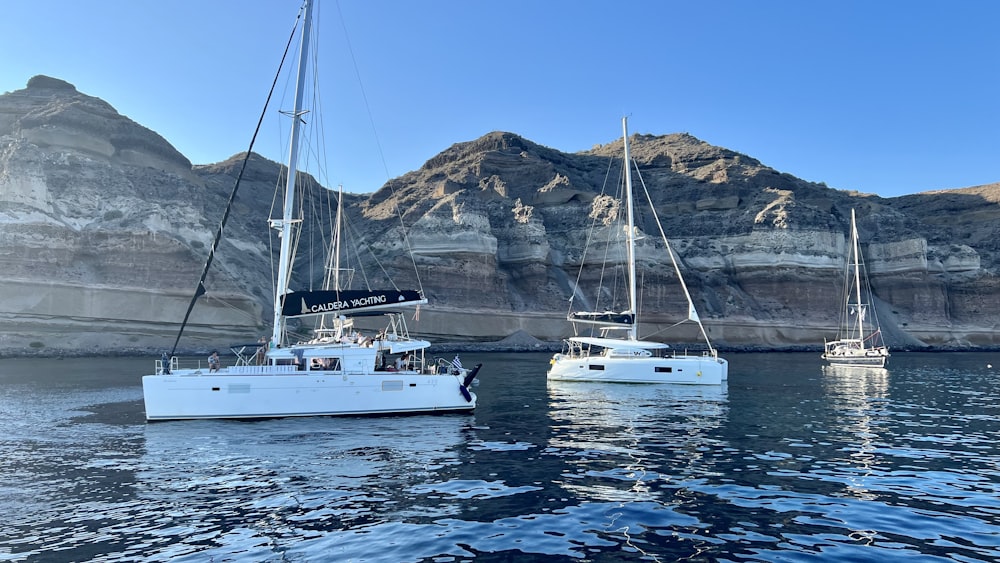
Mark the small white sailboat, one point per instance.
(859, 339)
(336, 372)
(616, 354)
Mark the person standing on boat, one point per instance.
(261, 353)
(213, 361)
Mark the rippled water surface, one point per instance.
(789, 461)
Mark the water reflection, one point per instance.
(632, 451)
(855, 396)
(260, 487)
(787, 462)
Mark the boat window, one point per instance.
(325, 364)
(598, 367)
(659, 369)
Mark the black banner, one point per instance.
(304, 303)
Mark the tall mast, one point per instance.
(284, 226)
(337, 240)
(857, 279)
(630, 248)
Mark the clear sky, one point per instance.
(888, 97)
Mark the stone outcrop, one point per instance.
(104, 230)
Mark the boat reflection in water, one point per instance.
(856, 394)
(284, 481)
(626, 443)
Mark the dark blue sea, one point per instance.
(787, 462)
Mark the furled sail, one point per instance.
(605, 318)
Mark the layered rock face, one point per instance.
(105, 229)
(500, 224)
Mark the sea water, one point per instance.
(788, 461)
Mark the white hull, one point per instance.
(858, 362)
(237, 392)
(855, 357)
(681, 369)
(338, 371)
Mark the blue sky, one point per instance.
(888, 97)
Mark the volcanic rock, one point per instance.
(105, 229)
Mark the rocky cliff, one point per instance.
(105, 228)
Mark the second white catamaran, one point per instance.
(617, 354)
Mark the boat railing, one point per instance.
(262, 370)
(185, 365)
(171, 364)
(572, 349)
(675, 353)
(199, 367)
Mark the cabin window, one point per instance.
(597, 367)
(659, 369)
(324, 364)
(392, 385)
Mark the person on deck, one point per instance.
(213, 362)
(261, 353)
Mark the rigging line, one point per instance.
(315, 152)
(677, 267)
(612, 220)
(200, 289)
(614, 240)
(272, 251)
(662, 330)
(350, 243)
(381, 153)
(385, 273)
(870, 293)
(228, 303)
(331, 249)
(353, 250)
(590, 238)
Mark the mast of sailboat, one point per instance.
(630, 247)
(856, 249)
(336, 245)
(284, 225)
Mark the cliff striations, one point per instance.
(105, 227)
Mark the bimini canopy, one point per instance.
(618, 343)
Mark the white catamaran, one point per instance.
(336, 372)
(859, 339)
(617, 354)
